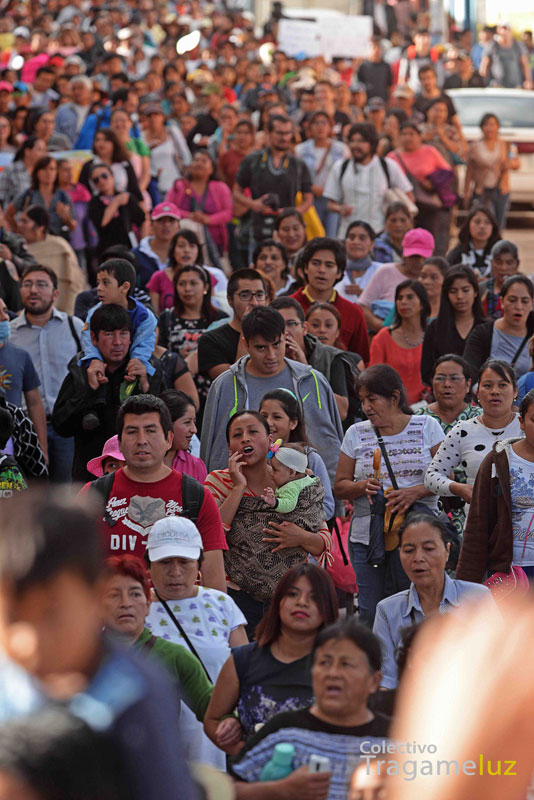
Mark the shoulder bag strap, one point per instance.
(383, 164)
(405, 168)
(323, 159)
(520, 349)
(184, 634)
(74, 334)
(382, 446)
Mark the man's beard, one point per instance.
(41, 308)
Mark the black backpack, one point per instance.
(192, 495)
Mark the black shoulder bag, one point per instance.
(184, 634)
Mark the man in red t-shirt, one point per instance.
(323, 263)
(145, 489)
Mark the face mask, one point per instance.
(4, 330)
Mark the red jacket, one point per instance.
(353, 331)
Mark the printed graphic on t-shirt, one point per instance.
(138, 514)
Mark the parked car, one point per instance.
(515, 111)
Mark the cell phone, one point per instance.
(319, 763)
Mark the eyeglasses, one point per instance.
(37, 284)
(101, 177)
(451, 378)
(247, 295)
(292, 323)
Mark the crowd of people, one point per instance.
(266, 392)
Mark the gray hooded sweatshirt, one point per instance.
(228, 395)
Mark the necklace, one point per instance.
(408, 341)
(496, 431)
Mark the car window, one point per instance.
(513, 112)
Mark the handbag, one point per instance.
(502, 584)
(393, 520)
(443, 181)
(423, 198)
(394, 194)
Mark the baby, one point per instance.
(289, 465)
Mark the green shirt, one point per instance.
(185, 669)
(288, 494)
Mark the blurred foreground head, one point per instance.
(50, 562)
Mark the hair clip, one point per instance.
(274, 447)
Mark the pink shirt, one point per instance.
(382, 285)
(191, 465)
(422, 162)
(161, 284)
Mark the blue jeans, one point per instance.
(375, 583)
(60, 456)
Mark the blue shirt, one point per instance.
(17, 373)
(404, 609)
(51, 347)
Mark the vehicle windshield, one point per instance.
(513, 112)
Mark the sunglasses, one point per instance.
(102, 177)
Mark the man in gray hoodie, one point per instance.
(266, 368)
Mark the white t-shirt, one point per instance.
(363, 187)
(208, 619)
(522, 490)
(409, 454)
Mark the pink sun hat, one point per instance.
(110, 450)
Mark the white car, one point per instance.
(515, 110)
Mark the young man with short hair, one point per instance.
(90, 414)
(145, 489)
(222, 346)
(152, 253)
(263, 369)
(323, 265)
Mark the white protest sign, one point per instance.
(342, 35)
(299, 36)
(348, 37)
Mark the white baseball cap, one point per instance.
(174, 537)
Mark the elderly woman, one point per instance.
(498, 534)
(272, 674)
(451, 384)
(410, 442)
(262, 545)
(125, 605)
(345, 672)
(424, 550)
(204, 621)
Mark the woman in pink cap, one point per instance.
(110, 460)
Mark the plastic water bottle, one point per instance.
(281, 763)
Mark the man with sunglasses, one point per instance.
(221, 347)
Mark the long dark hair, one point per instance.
(420, 291)
(464, 235)
(27, 144)
(445, 320)
(208, 311)
(291, 407)
(39, 165)
(269, 628)
(119, 153)
(383, 380)
(191, 237)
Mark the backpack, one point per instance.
(383, 164)
(192, 496)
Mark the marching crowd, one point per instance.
(239, 309)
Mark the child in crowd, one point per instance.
(115, 280)
(110, 460)
(11, 477)
(289, 466)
